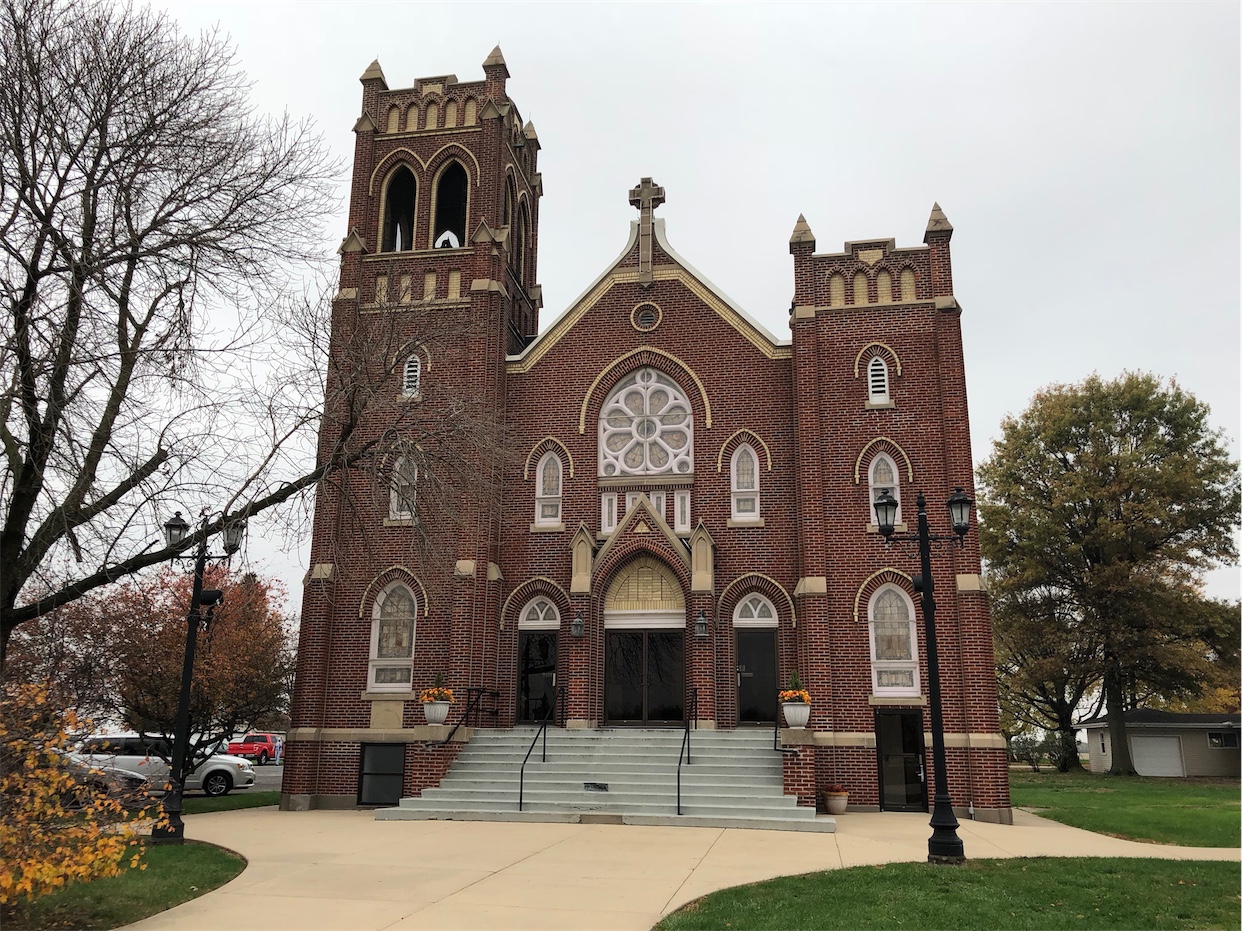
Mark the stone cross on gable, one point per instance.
(646, 197)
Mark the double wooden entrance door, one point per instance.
(644, 676)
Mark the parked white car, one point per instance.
(218, 775)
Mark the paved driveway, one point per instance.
(344, 870)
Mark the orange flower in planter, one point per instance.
(436, 693)
(795, 693)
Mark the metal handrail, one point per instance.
(543, 729)
(685, 740)
(776, 733)
(474, 696)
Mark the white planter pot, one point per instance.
(836, 802)
(796, 713)
(436, 712)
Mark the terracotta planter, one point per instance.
(436, 712)
(835, 802)
(796, 713)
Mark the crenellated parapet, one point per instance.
(871, 273)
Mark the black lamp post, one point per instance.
(944, 846)
(175, 532)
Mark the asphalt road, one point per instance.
(268, 777)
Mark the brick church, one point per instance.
(684, 516)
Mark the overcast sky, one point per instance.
(1087, 155)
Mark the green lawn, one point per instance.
(988, 895)
(1190, 812)
(173, 875)
(198, 805)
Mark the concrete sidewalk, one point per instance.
(330, 870)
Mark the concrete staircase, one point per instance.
(620, 775)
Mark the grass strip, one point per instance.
(1189, 812)
(234, 800)
(174, 874)
(1045, 893)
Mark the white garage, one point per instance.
(1166, 743)
(1157, 756)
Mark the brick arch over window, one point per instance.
(398, 207)
(756, 583)
(877, 349)
(878, 445)
(642, 357)
(426, 167)
(750, 438)
(521, 596)
(386, 578)
(546, 445)
(874, 582)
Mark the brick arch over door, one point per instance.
(624, 551)
(645, 583)
(756, 583)
(533, 588)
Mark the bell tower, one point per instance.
(444, 203)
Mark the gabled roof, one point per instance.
(640, 518)
(1150, 718)
(681, 270)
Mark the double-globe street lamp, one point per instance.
(944, 846)
(175, 532)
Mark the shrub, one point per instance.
(55, 828)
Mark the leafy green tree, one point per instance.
(1109, 499)
(1047, 665)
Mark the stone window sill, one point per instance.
(398, 522)
(897, 528)
(880, 405)
(744, 523)
(547, 528)
(882, 700)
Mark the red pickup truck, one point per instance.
(258, 747)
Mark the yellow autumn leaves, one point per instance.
(54, 829)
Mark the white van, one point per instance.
(219, 775)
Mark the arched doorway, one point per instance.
(644, 646)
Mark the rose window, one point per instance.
(646, 428)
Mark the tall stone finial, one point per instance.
(374, 73)
(496, 60)
(802, 232)
(646, 197)
(938, 222)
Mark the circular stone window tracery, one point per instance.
(646, 317)
(646, 427)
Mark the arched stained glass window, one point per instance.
(745, 475)
(884, 478)
(894, 655)
(392, 638)
(548, 493)
(646, 427)
(754, 611)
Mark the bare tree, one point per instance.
(165, 342)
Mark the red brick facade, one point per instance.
(801, 403)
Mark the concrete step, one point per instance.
(820, 823)
(471, 778)
(733, 779)
(576, 798)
